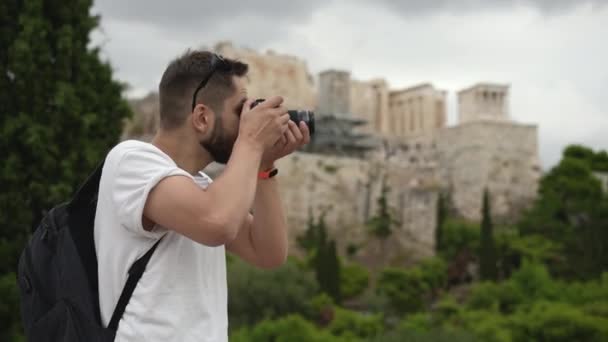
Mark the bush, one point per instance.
(583, 293)
(321, 309)
(409, 290)
(457, 236)
(354, 280)
(256, 294)
(434, 273)
(446, 309)
(491, 296)
(417, 328)
(418, 322)
(288, 329)
(404, 289)
(530, 283)
(533, 282)
(11, 329)
(558, 322)
(351, 324)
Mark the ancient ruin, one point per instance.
(368, 133)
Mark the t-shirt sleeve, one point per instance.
(135, 175)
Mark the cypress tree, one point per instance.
(487, 251)
(440, 220)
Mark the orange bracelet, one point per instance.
(268, 173)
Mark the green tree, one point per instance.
(323, 256)
(381, 224)
(600, 161)
(442, 214)
(571, 211)
(487, 250)
(327, 268)
(60, 111)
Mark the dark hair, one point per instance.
(184, 74)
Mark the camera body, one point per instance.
(296, 116)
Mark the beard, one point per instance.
(219, 146)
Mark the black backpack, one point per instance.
(57, 274)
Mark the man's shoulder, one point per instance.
(137, 150)
(131, 145)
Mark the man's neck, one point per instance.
(184, 151)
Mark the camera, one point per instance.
(296, 116)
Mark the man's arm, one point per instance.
(262, 241)
(214, 216)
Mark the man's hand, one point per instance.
(265, 124)
(292, 139)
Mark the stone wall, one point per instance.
(347, 189)
(275, 74)
(502, 156)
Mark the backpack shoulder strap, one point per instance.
(86, 195)
(135, 273)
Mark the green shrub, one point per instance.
(533, 282)
(487, 326)
(404, 289)
(434, 272)
(287, 329)
(458, 235)
(417, 322)
(350, 324)
(492, 296)
(9, 293)
(256, 294)
(354, 280)
(558, 322)
(582, 293)
(436, 334)
(447, 309)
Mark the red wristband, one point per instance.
(268, 173)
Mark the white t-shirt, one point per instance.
(182, 295)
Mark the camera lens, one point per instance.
(303, 115)
(296, 116)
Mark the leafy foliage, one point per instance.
(381, 224)
(60, 111)
(286, 329)
(572, 213)
(354, 280)
(409, 290)
(323, 256)
(256, 294)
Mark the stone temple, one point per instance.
(369, 135)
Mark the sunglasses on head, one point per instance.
(217, 62)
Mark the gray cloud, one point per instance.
(549, 51)
(206, 15)
(417, 7)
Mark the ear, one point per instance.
(203, 119)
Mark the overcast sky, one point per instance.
(553, 53)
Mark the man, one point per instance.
(153, 190)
